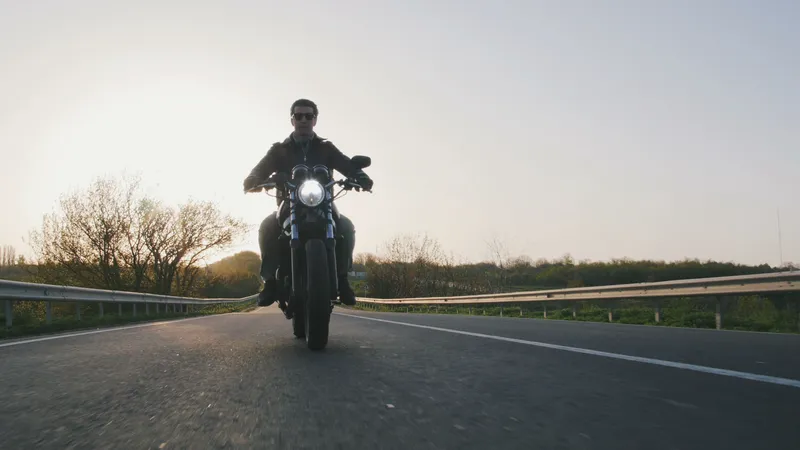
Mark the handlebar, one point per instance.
(268, 185)
(346, 183)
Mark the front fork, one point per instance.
(330, 243)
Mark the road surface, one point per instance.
(467, 382)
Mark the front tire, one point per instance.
(317, 311)
(299, 324)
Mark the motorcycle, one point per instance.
(307, 278)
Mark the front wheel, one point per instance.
(299, 324)
(317, 309)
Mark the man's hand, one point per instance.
(250, 182)
(364, 180)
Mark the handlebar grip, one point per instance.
(257, 188)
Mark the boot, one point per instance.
(346, 294)
(267, 295)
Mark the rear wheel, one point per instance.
(317, 311)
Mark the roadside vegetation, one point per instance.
(111, 236)
(415, 266)
(750, 313)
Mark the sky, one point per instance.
(660, 130)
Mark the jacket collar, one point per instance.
(314, 140)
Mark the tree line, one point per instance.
(111, 236)
(416, 266)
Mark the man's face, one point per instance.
(303, 120)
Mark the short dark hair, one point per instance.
(304, 102)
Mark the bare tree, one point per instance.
(110, 236)
(137, 257)
(179, 240)
(416, 266)
(501, 258)
(85, 243)
(8, 256)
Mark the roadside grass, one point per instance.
(29, 317)
(751, 313)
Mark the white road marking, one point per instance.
(639, 359)
(105, 330)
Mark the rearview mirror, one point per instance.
(361, 162)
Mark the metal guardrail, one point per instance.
(11, 291)
(697, 287)
(718, 287)
(769, 283)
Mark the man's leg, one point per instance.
(268, 234)
(344, 258)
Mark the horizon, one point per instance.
(622, 130)
(535, 261)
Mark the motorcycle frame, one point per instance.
(298, 233)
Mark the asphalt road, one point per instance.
(243, 381)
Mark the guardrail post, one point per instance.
(9, 313)
(574, 310)
(157, 308)
(719, 312)
(545, 311)
(100, 310)
(119, 309)
(501, 310)
(48, 312)
(134, 310)
(797, 307)
(78, 311)
(147, 309)
(658, 312)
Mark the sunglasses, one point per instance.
(308, 116)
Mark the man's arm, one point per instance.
(265, 167)
(341, 162)
(344, 165)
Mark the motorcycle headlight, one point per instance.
(311, 193)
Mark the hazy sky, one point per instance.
(604, 129)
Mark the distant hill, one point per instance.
(242, 262)
(234, 276)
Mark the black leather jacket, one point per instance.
(284, 156)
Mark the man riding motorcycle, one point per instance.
(303, 146)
